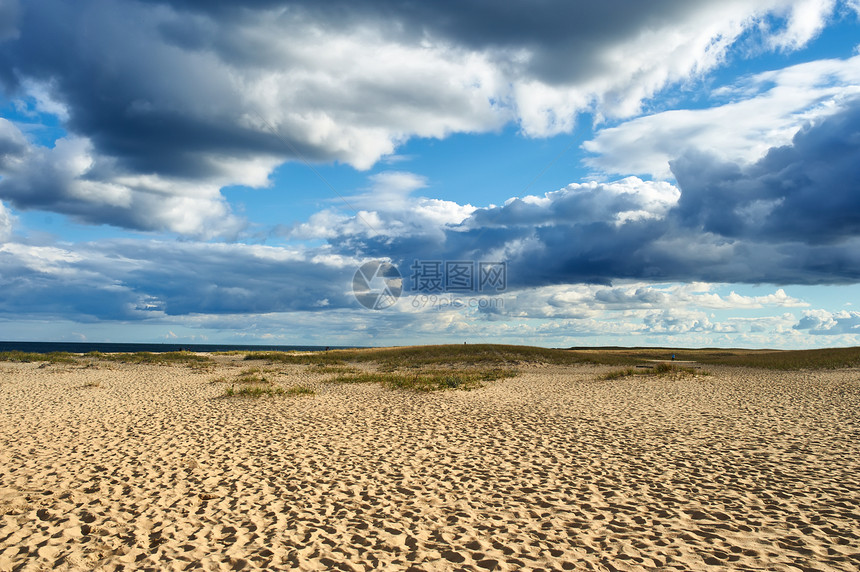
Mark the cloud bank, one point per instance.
(790, 218)
(165, 103)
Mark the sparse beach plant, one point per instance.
(254, 391)
(251, 375)
(429, 379)
(662, 369)
(299, 390)
(26, 357)
(338, 369)
(165, 358)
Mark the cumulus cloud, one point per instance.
(806, 190)
(384, 210)
(6, 222)
(199, 95)
(71, 178)
(791, 217)
(266, 294)
(142, 280)
(764, 111)
(634, 300)
(822, 322)
(805, 20)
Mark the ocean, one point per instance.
(84, 347)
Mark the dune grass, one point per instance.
(480, 355)
(338, 369)
(253, 382)
(299, 390)
(489, 355)
(267, 390)
(315, 358)
(786, 360)
(828, 358)
(251, 375)
(428, 379)
(659, 370)
(26, 357)
(254, 391)
(165, 358)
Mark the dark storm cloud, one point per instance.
(562, 36)
(137, 99)
(808, 191)
(9, 10)
(138, 280)
(197, 92)
(791, 218)
(12, 145)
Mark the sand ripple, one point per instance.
(148, 467)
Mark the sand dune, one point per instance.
(146, 466)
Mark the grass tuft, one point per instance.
(428, 379)
(254, 391)
(659, 370)
(311, 358)
(26, 357)
(266, 391)
(166, 358)
(338, 369)
(299, 390)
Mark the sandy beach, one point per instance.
(132, 466)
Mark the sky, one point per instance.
(551, 173)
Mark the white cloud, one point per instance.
(766, 110)
(823, 322)
(806, 19)
(7, 221)
(71, 178)
(42, 93)
(385, 208)
(200, 96)
(593, 301)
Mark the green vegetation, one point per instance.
(659, 370)
(166, 358)
(428, 379)
(456, 356)
(252, 382)
(829, 358)
(314, 358)
(251, 375)
(263, 390)
(254, 391)
(299, 390)
(25, 357)
(339, 369)
(485, 355)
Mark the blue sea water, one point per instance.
(84, 347)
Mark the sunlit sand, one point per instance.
(125, 466)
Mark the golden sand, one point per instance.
(148, 466)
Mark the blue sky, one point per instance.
(663, 173)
